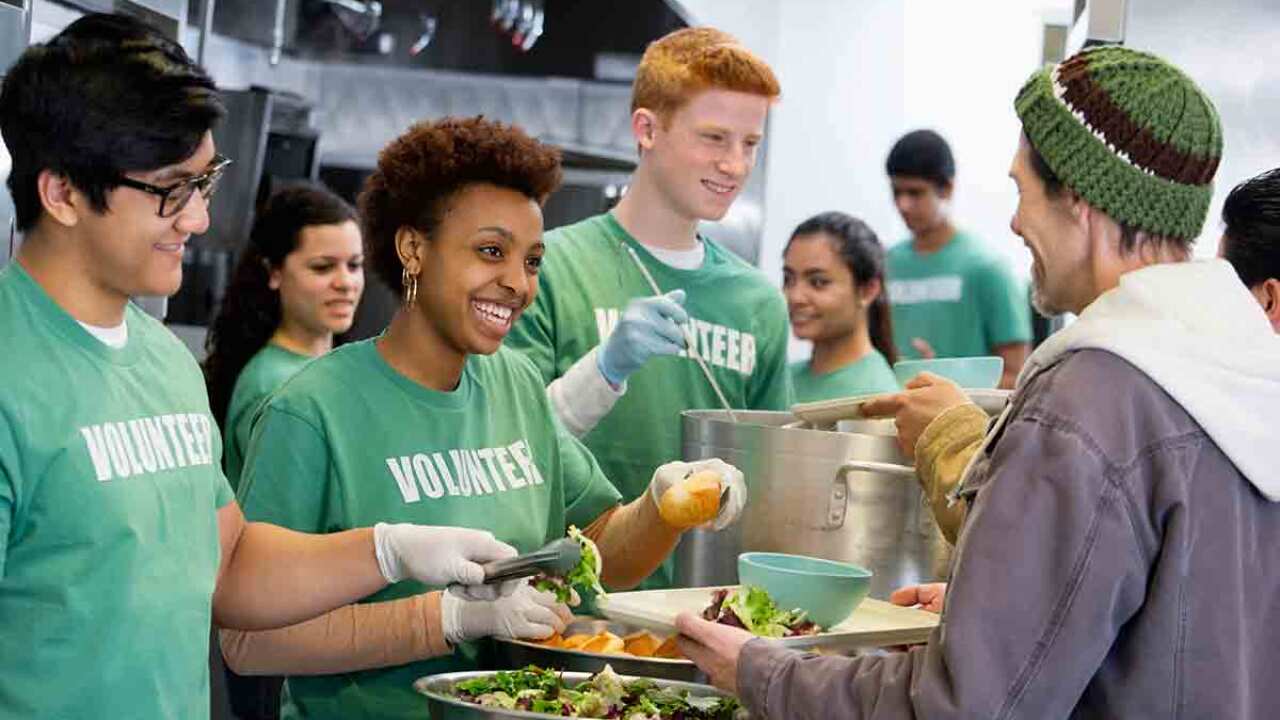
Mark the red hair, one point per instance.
(681, 64)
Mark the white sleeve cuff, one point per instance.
(582, 396)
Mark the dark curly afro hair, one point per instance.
(420, 171)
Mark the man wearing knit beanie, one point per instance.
(1123, 522)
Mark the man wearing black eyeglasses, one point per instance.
(119, 536)
(174, 197)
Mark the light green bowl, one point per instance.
(967, 372)
(829, 591)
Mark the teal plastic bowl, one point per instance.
(828, 590)
(968, 372)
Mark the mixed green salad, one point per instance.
(603, 695)
(586, 574)
(752, 609)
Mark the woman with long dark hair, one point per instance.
(295, 286)
(833, 278)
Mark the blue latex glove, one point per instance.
(648, 327)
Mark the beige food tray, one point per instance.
(829, 412)
(874, 623)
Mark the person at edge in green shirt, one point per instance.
(447, 426)
(295, 286)
(833, 279)
(120, 540)
(951, 297)
(621, 360)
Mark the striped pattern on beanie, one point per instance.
(1128, 132)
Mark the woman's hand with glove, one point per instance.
(526, 614)
(704, 493)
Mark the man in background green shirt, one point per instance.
(622, 359)
(951, 296)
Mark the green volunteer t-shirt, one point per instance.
(868, 375)
(963, 300)
(266, 371)
(738, 325)
(110, 482)
(349, 442)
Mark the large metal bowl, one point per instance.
(515, 654)
(444, 705)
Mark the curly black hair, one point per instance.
(420, 171)
(250, 310)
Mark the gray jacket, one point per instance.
(1115, 563)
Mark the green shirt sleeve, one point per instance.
(223, 494)
(240, 428)
(286, 471)
(587, 492)
(1006, 312)
(534, 334)
(222, 491)
(8, 494)
(771, 383)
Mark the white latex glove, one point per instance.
(437, 555)
(524, 614)
(733, 487)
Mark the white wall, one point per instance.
(1228, 55)
(857, 74)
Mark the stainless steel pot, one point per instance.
(844, 494)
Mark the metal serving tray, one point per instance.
(515, 654)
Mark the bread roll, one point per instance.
(692, 501)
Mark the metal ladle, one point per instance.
(692, 349)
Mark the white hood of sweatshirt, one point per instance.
(1195, 330)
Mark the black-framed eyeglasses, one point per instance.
(176, 196)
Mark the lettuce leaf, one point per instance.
(603, 695)
(590, 567)
(760, 614)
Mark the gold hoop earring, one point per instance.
(410, 282)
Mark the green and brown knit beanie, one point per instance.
(1130, 133)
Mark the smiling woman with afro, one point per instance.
(434, 422)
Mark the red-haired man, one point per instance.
(620, 358)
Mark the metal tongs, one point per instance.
(557, 557)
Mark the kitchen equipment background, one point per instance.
(806, 498)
